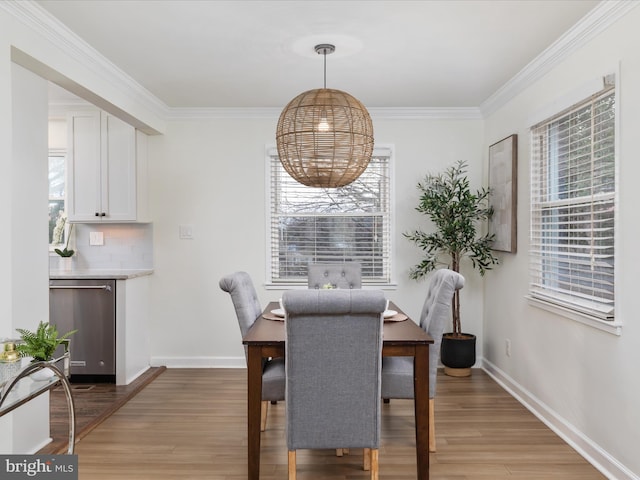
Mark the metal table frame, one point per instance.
(59, 378)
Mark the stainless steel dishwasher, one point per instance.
(89, 306)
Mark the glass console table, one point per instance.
(22, 388)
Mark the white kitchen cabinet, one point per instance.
(142, 189)
(102, 170)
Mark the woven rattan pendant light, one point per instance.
(325, 136)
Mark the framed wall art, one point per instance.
(503, 169)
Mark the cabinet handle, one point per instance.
(97, 214)
(80, 287)
(103, 214)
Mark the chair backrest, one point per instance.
(339, 275)
(436, 315)
(333, 363)
(245, 299)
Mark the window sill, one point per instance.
(614, 328)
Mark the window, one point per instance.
(57, 172)
(573, 207)
(347, 224)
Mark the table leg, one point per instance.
(421, 403)
(254, 389)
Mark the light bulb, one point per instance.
(323, 124)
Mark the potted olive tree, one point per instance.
(456, 213)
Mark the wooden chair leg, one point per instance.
(263, 415)
(432, 425)
(366, 460)
(292, 465)
(374, 464)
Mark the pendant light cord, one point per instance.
(325, 68)
(325, 49)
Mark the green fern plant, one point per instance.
(42, 343)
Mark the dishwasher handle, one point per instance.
(81, 287)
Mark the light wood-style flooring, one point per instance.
(191, 424)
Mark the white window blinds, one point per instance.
(573, 207)
(347, 224)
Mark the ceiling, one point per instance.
(219, 53)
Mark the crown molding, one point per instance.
(214, 113)
(43, 23)
(425, 113)
(377, 113)
(591, 25)
(59, 110)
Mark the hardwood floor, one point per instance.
(93, 404)
(191, 424)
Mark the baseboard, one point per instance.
(221, 362)
(593, 453)
(199, 362)
(38, 447)
(132, 377)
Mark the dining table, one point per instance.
(266, 339)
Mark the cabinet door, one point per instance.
(118, 170)
(101, 168)
(142, 175)
(83, 166)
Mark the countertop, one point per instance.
(98, 274)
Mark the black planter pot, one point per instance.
(458, 354)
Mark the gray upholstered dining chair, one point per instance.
(397, 372)
(345, 275)
(247, 306)
(339, 275)
(333, 364)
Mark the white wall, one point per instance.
(24, 267)
(26, 225)
(6, 323)
(6, 166)
(211, 174)
(582, 380)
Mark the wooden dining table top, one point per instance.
(271, 332)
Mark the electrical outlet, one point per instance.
(96, 238)
(507, 345)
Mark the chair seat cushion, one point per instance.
(273, 380)
(397, 377)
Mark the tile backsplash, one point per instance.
(127, 246)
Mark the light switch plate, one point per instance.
(185, 232)
(96, 238)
